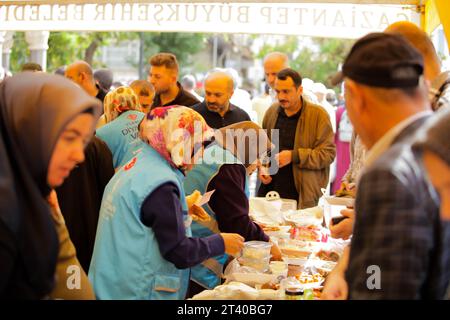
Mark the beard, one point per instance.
(162, 90)
(284, 104)
(215, 107)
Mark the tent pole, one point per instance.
(443, 9)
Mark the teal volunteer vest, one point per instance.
(126, 262)
(122, 136)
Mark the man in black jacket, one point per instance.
(217, 109)
(163, 76)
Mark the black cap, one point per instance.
(384, 60)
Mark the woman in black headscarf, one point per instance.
(45, 122)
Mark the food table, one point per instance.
(309, 254)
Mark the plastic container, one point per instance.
(261, 265)
(279, 269)
(256, 250)
(340, 201)
(252, 279)
(292, 289)
(295, 270)
(293, 293)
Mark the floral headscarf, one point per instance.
(120, 100)
(175, 132)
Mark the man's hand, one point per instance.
(336, 287)
(284, 158)
(344, 229)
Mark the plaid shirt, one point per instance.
(399, 230)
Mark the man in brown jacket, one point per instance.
(305, 143)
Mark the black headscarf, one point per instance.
(34, 110)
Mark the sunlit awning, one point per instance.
(315, 18)
(432, 13)
(403, 2)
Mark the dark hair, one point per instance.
(291, 73)
(31, 66)
(61, 70)
(89, 110)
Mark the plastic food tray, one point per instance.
(340, 201)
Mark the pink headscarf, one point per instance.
(175, 132)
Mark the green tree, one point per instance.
(321, 64)
(96, 40)
(67, 47)
(288, 47)
(317, 61)
(63, 49)
(19, 52)
(182, 45)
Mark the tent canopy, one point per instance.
(433, 12)
(403, 2)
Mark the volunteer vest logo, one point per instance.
(130, 164)
(132, 116)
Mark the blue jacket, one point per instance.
(122, 136)
(126, 262)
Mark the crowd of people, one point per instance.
(102, 181)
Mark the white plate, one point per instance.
(312, 285)
(295, 261)
(340, 201)
(301, 220)
(251, 279)
(282, 233)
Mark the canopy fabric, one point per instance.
(434, 12)
(403, 2)
(331, 20)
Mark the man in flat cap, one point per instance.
(399, 248)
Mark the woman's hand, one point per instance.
(196, 212)
(233, 243)
(275, 252)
